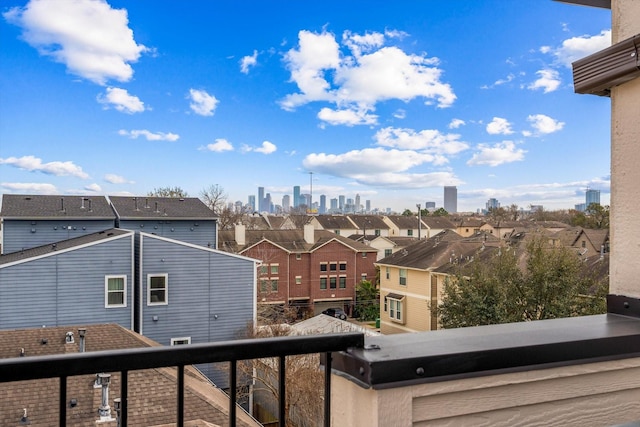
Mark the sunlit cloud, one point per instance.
(544, 124)
(266, 148)
(150, 136)
(220, 145)
(429, 140)
(499, 126)
(89, 37)
(202, 103)
(578, 47)
(248, 62)
(121, 100)
(29, 187)
(34, 164)
(497, 154)
(456, 123)
(548, 80)
(117, 179)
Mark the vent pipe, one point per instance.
(104, 411)
(62, 204)
(82, 202)
(81, 333)
(135, 204)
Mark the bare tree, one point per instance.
(167, 192)
(214, 197)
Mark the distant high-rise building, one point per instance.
(261, 201)
(581, 207)
(451, 198)
(592, 196)
(323, 204)
(430, 205)
(333, 204)
(368, 205)
(252, 203)
(268, 204)
(296, 196)
(286, 203)
(356, 206)
(492, 204)
(341, 202)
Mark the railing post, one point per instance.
(124, 391)
(327, 390)
(180, 418)
(233, 374)
(282, 390)
(62, 421)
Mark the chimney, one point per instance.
(81, 333)
(241, 239)
(309, 233)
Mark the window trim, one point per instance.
(402, 276)
(325, 283)
(333, 282)
(106, 290)
(166, 288)
(342, 280)
(273, 266)
(298, 280)
(396, 308)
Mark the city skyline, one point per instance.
(391, 102)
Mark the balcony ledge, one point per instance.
(415, 358)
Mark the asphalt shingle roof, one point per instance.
(39, 207)
(128, 208)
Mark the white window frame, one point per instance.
(166, 288)
(342, 279)
(180, 341)
(274, 269)
(402, 276)
(298, 280)
(396, 310)
(106, 290)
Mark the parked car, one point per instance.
(336, 312)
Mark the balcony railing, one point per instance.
(63, 366)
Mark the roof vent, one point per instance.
(24, 421)
(69, 338)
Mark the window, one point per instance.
(298, 280)
(403, 276)
(363, 277)
(157, 289)
(409, 233)
(396, 309)
(584, 244)
(343, 266)
(388, 252)
(377, 232)
(323, 283)
(364, 254)
(387, 272)
(264, 286)
(181, 341)
(115, 291)
(343, 282)
(274, 268)
(274, 285)
(385, 304)
(332, 282)
(333, 266)
(337, 232)
(323, 266)
(263, 269)
(298, 257)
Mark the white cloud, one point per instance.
(500, 153)
(508, 79)
(121, 101)
(400, 114)
(390, 171)
(578, 47)
(357, 81)
(89, 37)
(548, 80)
(248, 61)
(150, 136)
(428, 141)
(347, 117)
(202, 103)
(116, 179)
(544, 124)
(220, 146)
(34, 164)
(266, 148)
(30, 187)
(94, 188)
(456, 123)
(499, 126)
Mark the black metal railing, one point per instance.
(63, 366)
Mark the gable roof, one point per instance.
(404, 222)
(369, 222)
(334, 222)
(151, 392)
(438, 250)
(438, 222)
(62, 246)
(40, 207)
(166, 208)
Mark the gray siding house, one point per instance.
(187, 219)
(190, 294)
(84, 280)
(30, 221)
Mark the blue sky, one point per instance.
(391, 101)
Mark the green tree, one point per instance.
(407, 212)
(440, 212)
(367, 300)
(168, 192)
(550, 284)
(597, 216)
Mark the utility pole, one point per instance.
(419, 220)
